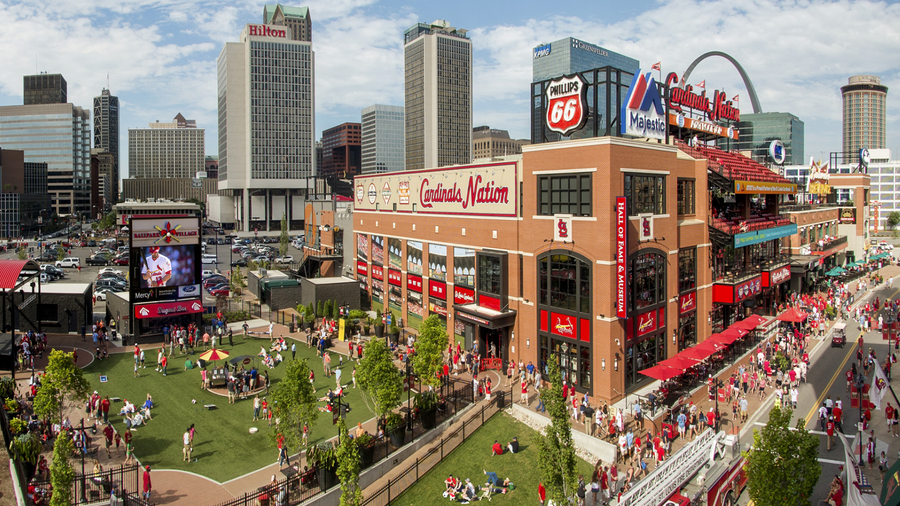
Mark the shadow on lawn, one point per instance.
(159, 445)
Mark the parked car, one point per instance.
(121, 260)
(48, 256)
(240, 262)
(287, 259)
(223, 291)
(98, 259)
(110, 270)
(100, 293)
(68, 262)
(111, 283)
(53, 271)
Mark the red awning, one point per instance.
(713, 346)
(793, 315)
(696, 353)
(11, 269)
(661, 372)
(746, 324)
(734, 334)
(679, 362)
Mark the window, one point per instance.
(565, 283)
(646, 194)
(686, 196)
(687, 270)
(490, 274)
(647, 276)
(565, 195)
(48, 312)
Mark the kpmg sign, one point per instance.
(758, 236)
(543, 50)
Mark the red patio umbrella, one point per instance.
(721, 339)
(756, 318)
(696, 353)
(661, 372)
(711, 345)
(679, 362)
(734, 334)
(746, 324)
(793, 315)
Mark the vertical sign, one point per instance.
(562, 229)
(621, 256)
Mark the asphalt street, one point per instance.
(826, 377)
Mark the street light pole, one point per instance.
(408, 394)
(83, 494)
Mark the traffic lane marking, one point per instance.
(809, 417)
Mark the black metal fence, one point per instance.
(298, 487)
(122, 481)
(421, 465)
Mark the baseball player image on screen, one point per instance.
(157, 268)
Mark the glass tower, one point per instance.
(383, 147)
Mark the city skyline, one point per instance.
(172, 52)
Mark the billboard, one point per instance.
(489, 190)
(164, 263)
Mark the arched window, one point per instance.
(564, 316)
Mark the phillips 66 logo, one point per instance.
(566, 104)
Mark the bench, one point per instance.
(210, 406)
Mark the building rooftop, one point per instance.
(289, 12)
(330, 281)
(65, 288)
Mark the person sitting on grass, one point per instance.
(149, 402)
(262, 352)
(127, 408)
(496, 449)
(451, 483)
(513, 446)
(268, 361)
(468, 492)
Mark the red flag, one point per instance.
(736, 98)
(656, 66)
(702, 84)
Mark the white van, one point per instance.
(208, 259)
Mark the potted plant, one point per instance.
(323, 457)
(379, 329)
(395, 427)
(310, 316)
(394, 330)
(367, 325)
(26, 449)
(11, 406)
(17, 426)
(427, 403)
(366, 445)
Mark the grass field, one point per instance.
(473, 457)
(223, 446)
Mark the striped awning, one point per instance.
(11, 269)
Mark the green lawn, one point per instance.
(473, 457)
(223, 445)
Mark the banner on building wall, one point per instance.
(621, 257)
(562, 228)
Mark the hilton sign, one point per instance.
(266, 31)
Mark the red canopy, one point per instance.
(679, 362)
(696, 353)
(793, 315)
(711, 345)
(746, 324)
(722, 339)
(661, 372)
(733, 334)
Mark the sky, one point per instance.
(160, 55)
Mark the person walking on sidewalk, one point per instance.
(829, 430)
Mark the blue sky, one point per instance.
(161, 54)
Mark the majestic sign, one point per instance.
(776, 151)
(687, 303)
(471, 190)
(621, 257)
(562, 228)
(566, 104)
(267, 31)
(542, 50)
(164, 258)
(764, 187)
(643, 114)
(683, 97)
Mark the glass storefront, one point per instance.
(687, 330)
(645, 328)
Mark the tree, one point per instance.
(348, 467)
(379, 378)
(320, 309)
(782, 467)
(556, 453)
(285, 238)
(64, 387)
(294, 402)
(21, 253)
(108, 221)
(429, 358)
(62, 475)
(328, 313)
(60, 251)
(237, 281)
(893, 219)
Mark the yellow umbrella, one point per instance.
(214, 355)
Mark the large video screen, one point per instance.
(166, 266)
(164, 259)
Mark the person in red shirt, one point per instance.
(849, 375)
(104, 408)
(496, 449)
(147, 485)
(711, 418)
(525, 392)
(838, 414)
(829, 429)
(542, 494)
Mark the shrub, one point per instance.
(358, 314)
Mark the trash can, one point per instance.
(124, 340)
(501, 399)
(291, 327)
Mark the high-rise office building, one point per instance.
(60, 136)
(567, 56)
(490, 142)
(24, 201)
(865, 114)
(295, 18)
(383, 148)
(757, 131)
(104, 193)
(45, 89)
(266, 93)
(175, 149)
(341, 151)
(106, 138)
(438, 95)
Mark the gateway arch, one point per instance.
(754, 100)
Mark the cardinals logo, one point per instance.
(563, 228)
(880, 384)
(565, 328)
(168, 233)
